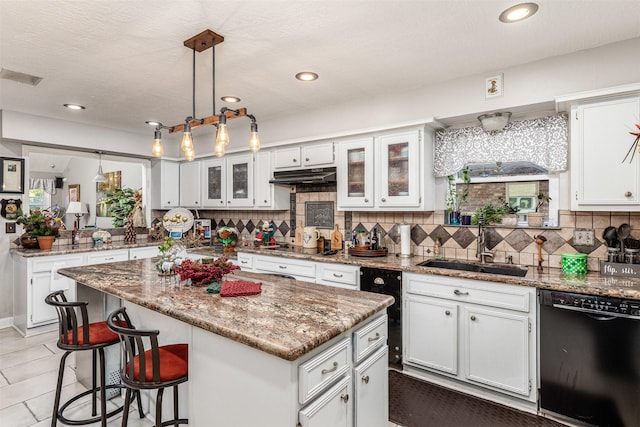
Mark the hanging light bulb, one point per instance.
(189, 155)
(187, 139)
(254, 139)
(157, 150)
(218, 150)
(222, 136)
(100, 175)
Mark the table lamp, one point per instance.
(76, 209)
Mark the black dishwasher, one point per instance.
(388, 282)
(590, 358)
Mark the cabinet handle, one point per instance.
(337, 275)
(377, 337)
(366, 200)
(457, 292)
(306, 159)
(383, 199)
(228, 202)
(447, 313)
(473, 317)
(266, 201)
(628, 194)
(169, 202)
(109, 259)
(365, 379)
(345, 398)
(326, 371)
(195, 202)
(283, 267)
(221, 201)
(244, 262)
(295, 160)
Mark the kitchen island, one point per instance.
(252, 359)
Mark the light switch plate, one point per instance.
(583, 236)
(10, 227)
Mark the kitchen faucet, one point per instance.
(482, 253)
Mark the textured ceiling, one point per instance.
(124, 60)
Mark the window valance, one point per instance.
(46, 184)
(543, 141)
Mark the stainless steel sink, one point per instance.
(452, 264)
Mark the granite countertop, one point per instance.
(83, 247)
(592, 283)
(288, 319)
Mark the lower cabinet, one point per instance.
(475, 332)
(371, 390)
(333, 408)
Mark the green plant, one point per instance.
(122, 201)
(508, 209)
(455, 198)
(40, 224)
(542, 199)
(492, 214)
(166, 245)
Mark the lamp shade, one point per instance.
(494, 121)
(75, 208)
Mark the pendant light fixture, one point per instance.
(199, 43)
(100, 175)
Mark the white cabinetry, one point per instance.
(165, 184)
(600, 139)
(403, 164)
(289, 267)
(190, 184)
(143, 253)
(104, 257)
(240, 181)
(214, 191)
(304, 156)
(371, 394)
(267, 195)
(477, 332)
(339, 275)
(34, 279)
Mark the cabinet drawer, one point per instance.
(320, 372)
(317, 155)
(286, 158)
(109, 256)
(288, 267)
(344, 276)
(143, 253)
(245, 261)
(472, 291)
(47, 263)
(369, 338)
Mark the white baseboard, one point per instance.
(6, 322)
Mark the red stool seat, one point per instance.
(99, 333)
(174, 363)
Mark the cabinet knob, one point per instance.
(628, 194)
(306, 159)
(383, 199)
(295, 160)
(266, 201)
(196, 202)
(345, 398)
(222, 201)
(365, 379)
(448, 313)
(366, 200)
(473, 317)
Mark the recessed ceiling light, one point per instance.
(153, 123)
(518, 12)
(230, 99)
(306, 76)
(74, 106)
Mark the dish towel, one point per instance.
(237, 288)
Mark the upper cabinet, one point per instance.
(165, 178)
(403, 178)
(304, 156)
(240, 180)
(190, 184)
(214, 194)
(600, 140)
(266, 195)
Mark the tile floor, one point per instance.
(28, 372)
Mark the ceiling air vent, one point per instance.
(19, 77)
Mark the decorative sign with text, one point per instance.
(619, 269)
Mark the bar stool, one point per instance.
(151, 366)
(77, 334)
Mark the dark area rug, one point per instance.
(415, 403)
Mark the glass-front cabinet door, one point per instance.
(355, 173)
(214, 179)
(399, 169)
(240, 180)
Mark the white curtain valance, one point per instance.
(542, 141)
(46, 184)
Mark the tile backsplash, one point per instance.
(457, 241)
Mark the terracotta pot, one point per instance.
(28, 242)
(536, 219)
(46, 242)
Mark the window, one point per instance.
(39, 199)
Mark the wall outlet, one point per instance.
(583, 236)
(10, 227)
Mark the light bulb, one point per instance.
(157, 149)
(218, 150)
(189, 155)
(187, 141)
(222, 136)
(254, 139)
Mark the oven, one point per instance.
(388, 282)
(590, 358)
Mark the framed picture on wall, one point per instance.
(74, 192)
(11, 175)
(493, 87)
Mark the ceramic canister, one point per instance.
(310, 236)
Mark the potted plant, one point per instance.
(44, 227)
(509, 213)
(492, 214)
(536, 218)
(456, 198)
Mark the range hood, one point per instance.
(304, 176)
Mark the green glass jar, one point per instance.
(574, 264)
